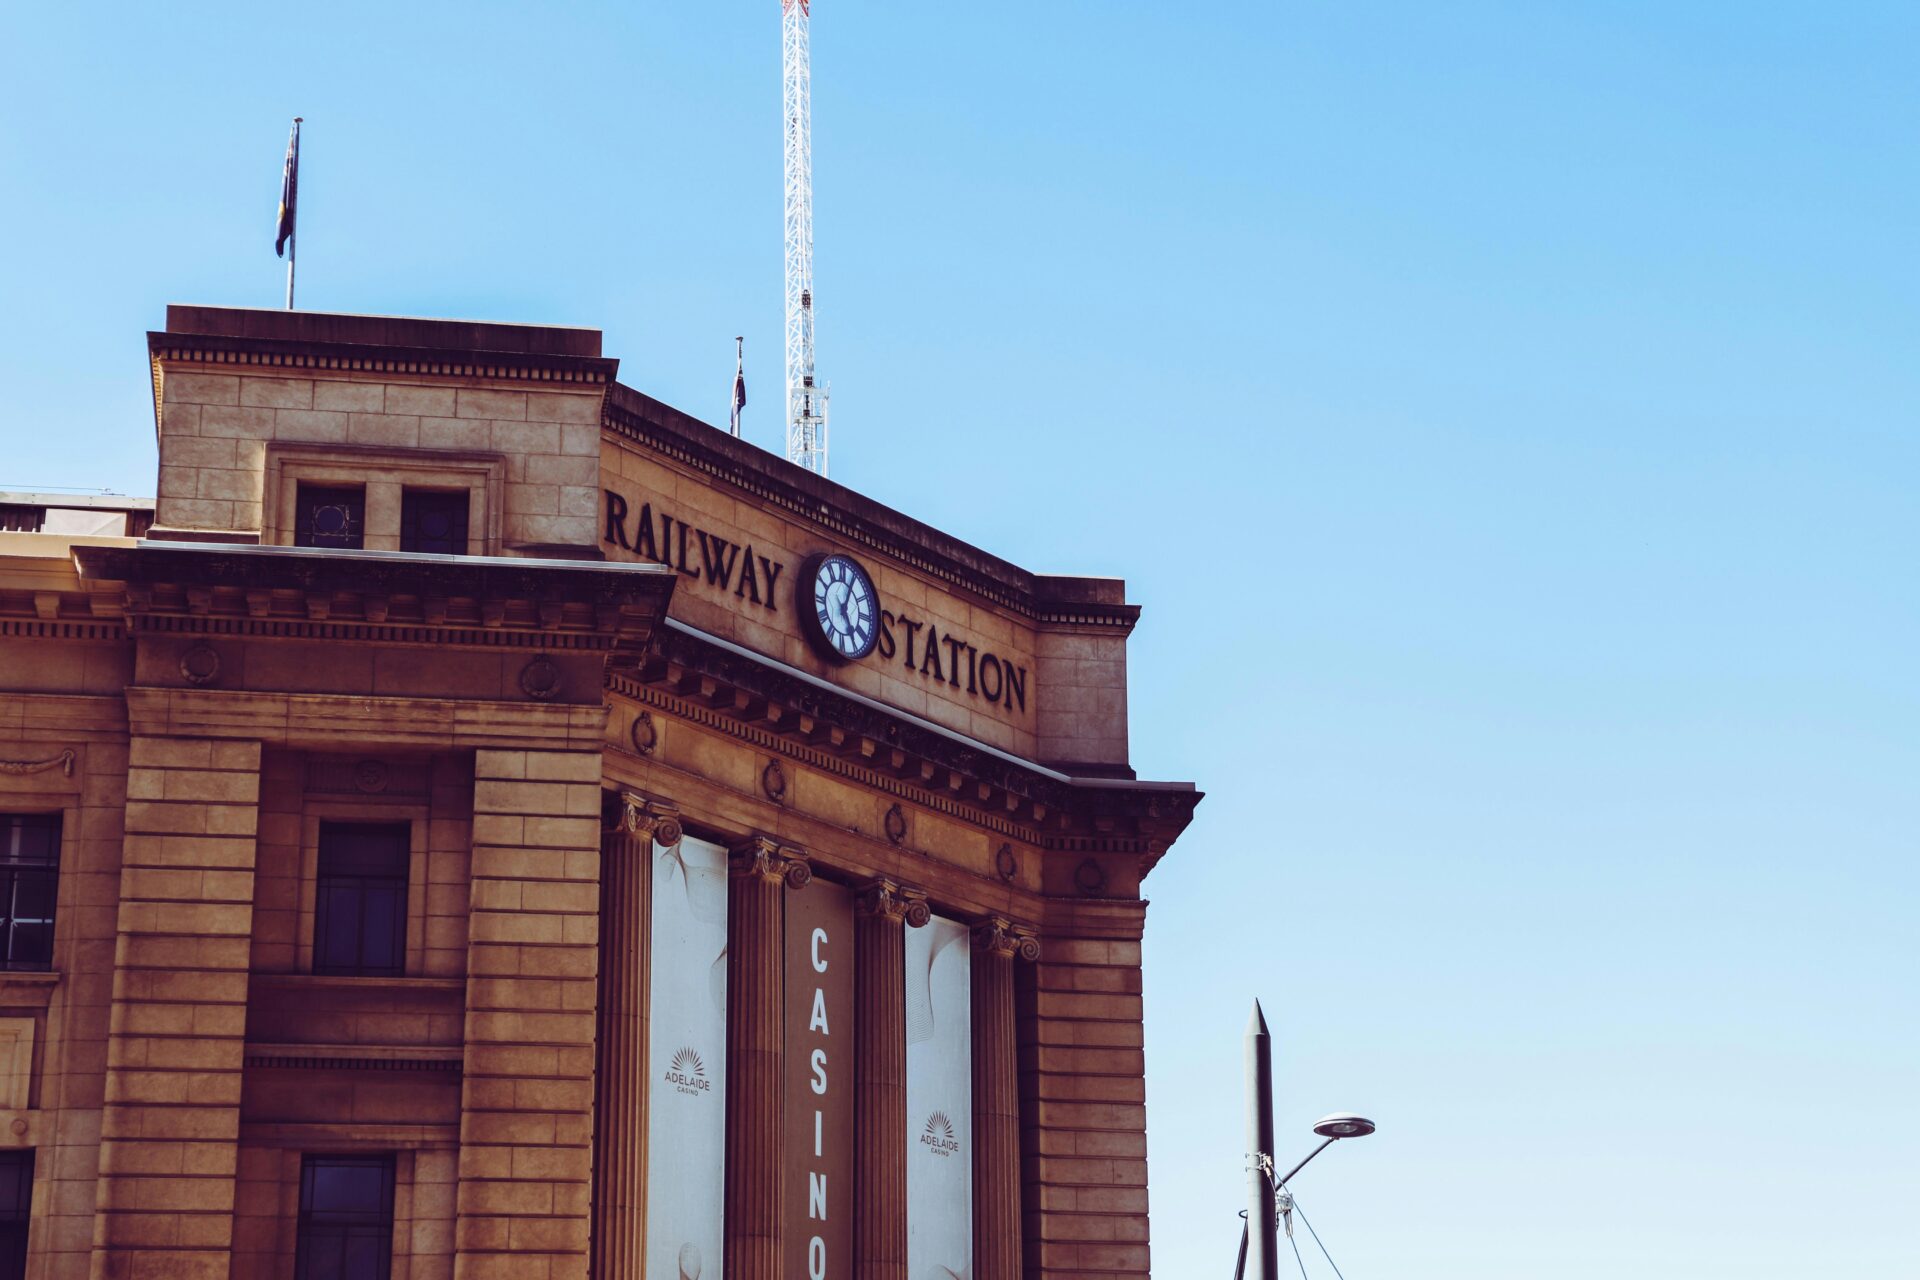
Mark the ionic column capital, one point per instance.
(643, 816)
(766, 859)
(999, 936)
(891, 900)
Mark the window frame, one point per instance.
(384, 473)
(314, 812)
(304, 1237)
(11, 874)
(363, 886)
(19, 1217)
(411, 493)
(301, 503)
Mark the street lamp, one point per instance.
(1341, 1124)
(1262, 1187)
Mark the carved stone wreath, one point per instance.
(541, 679)
(200, 665)
(773, 781)
(370, 776)
(1091, 878)
(644, 735)
(896, 824)
(1005, 864)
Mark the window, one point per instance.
(16, 1203)
(360, 898)
(29, 886)
(346, 1218)
(434, 520)
(330, 517)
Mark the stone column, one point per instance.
(881, 913)
(762, 870)
(996, 1099)
(620, 1094)
(523, 1202)
(170, 1130)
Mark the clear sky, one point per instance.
(1505, 413)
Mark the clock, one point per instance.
(840, 606)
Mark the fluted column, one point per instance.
(762, 871)
(881, 914)
(620, 1081)
(996, 1099)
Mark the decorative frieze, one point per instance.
(20, 768)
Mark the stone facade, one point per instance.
(213, 712)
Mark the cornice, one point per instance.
(271, 353)
(1044, 599)
(280, 355)
(717, 686)
(373, 596)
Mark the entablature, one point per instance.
(376, 596)
(723, 686)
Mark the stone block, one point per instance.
(277, 393)
(198, 451)
(426, 402)
(475, 403)
(400, 430)
(309, 425)
(525, 438)
(455, 433)
(200, 388)
(349, 397)
(179, 482)
(561, 406)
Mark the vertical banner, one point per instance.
(819, 1088)
(939, 1102)
(687, 1078)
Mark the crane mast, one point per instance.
(806, 398)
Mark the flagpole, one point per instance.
(293, 237)
(736, 395)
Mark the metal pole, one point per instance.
(1263, 1247)
(293, 238)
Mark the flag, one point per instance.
(739, 383)
(289, 191)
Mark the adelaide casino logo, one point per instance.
(938, 1135)
(688, 1074)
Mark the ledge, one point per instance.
(353, 982)
(28, 988)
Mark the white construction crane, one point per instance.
(806, 397)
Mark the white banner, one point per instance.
(687, 1050)
(939, 1102)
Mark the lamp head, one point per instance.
(1344, 1124)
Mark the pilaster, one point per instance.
(997, 942)
(620, 1083)
(1083, 1109)
(526, 1104)
(177, 1034)
(881, 913)
(762, 871)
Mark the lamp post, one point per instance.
(1261, 1184)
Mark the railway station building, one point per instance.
(479, 822)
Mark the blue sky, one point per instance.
(1505, 414)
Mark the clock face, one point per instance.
(845, 608)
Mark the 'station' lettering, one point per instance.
(741, 571)
(987, 675)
